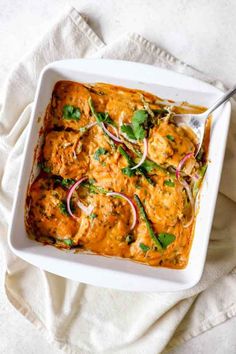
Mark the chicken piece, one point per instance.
(47, 214)
(64, 154)
(73, 94)
(104, 231)
(168, 144)
(163, 203)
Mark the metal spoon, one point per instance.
(197, 121)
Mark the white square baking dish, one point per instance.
(115, 272)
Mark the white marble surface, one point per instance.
(201, 33)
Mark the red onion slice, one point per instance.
(182, 162)
(113, 137)
(145, 152)
(116, 194)
(86, 210)
(191, 199)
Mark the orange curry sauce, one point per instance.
(70, 152)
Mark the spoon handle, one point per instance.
(221, 100)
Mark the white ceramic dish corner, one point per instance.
(106, 271)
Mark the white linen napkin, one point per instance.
(80, 318)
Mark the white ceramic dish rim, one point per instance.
(105, 271)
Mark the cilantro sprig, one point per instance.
(137, 129)
(99, 152)
(71, 112)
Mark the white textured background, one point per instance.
(199, 32)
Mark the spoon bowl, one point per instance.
(197, 122)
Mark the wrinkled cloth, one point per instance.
(84, 319)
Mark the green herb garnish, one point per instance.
(93, 216)
(170, 137)
(67, 182)
(105, 118)
(99, 152)
(197, 184)
(169, 183)
(63, 208)
(148, 223)
(136, 130)
(149, 165)
(127, 170)
(143, 247)
(94, 188)
(200, 155)
(203, 170)
(166, 239)
(44, 167)
(71, 112)
(68, 242)
(128, 130)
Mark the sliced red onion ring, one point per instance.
(191, 199)
(113, 137)
(116, 194)
(86, 210)
(182, 162)
(145, 152)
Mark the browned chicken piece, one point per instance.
(76, 95)
(168, 144)
(64, 154)
(47, 215)
(107, 228)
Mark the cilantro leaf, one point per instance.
(46, 169)
(169, 183)
(93, 216)
(139, 117)
(149, 165)
(68, 242)
(100, 151)
(104, 118)
(128, 130)
(43, 166)
(63, 208)
(139, 132)
(71, 112)
(166, 239)
(143, 247)
(127, 171)
(67, 182)
(170, 137)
